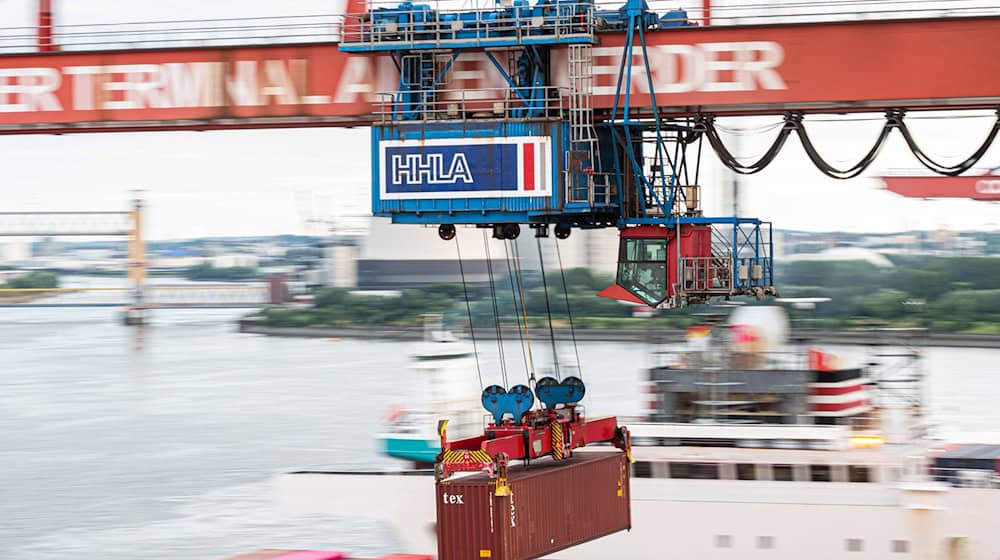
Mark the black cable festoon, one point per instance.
(793, 122)
(892, 121)
(954, 169)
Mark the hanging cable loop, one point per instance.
(707, 123)
(794, 122)
(892, 120)
(951, 170)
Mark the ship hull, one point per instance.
(687, 519)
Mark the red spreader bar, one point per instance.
(540, 433)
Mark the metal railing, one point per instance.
(321, 28)
(419, 25)
(790, 360)
(586, 187)
(707, 275)
(465, 104)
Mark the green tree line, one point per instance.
(943, 294)
(32, 280)
(206, 271)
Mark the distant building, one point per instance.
(398, 256)
(14, 252)
(233, 260)
(844, 254)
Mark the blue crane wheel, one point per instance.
(562, 231)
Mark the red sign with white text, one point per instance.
(984, 187)
(721, 70)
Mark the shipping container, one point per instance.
(552, 505)
(474, 172)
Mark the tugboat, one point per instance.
(443, 365)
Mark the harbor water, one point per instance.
(159, 442)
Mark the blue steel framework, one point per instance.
(592, 175)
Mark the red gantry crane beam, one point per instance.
(725, 70)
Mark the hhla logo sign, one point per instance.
(430, 169)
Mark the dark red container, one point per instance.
(552, 506)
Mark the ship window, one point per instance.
(704, 471)
(855, 545)
(765, 542)
(900, 546)
(819, 473)
(723, 541)
(782, 473)
(746, 471)
(858, 473)
(642, 469)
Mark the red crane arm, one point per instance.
(762, 69)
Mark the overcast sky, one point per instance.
(269, 182)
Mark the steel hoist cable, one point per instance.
(569, 312)
(548, 309)
(517, 310)
(496, 312)
(524, 314)
(468, 308)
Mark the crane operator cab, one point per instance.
(667, 267)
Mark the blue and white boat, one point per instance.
(448, 387)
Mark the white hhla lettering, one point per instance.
(709, 67)
(24, 90)
(420, 169)
(452, 498)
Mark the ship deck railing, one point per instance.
(746, 361)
